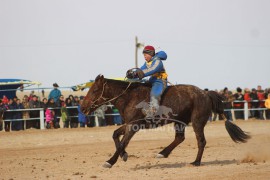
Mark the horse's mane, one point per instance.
(135, 84)
(124, 84)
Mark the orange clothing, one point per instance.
(267, 103)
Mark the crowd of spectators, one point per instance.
(57, 107)
(256, 98)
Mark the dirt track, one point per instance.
(80, 154)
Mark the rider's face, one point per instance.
(147, 57)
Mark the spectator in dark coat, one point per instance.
(228, 99)
(51, 103)
(57, 111)
(238, 105)
(18, 124)
(8, 116)
(261, 97)
(76, 101)
(44, 103)
(34, 103)
(2, 110)
(74, 112)
(254, 103)
(60, 101)
(71, 97)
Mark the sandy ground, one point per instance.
(80, 154)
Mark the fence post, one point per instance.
(246, 110)
(96, 121)
(41, 114)
(233, 116)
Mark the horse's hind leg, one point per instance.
(129, 133)
(199, 132)
(179, 138)
(117, 133)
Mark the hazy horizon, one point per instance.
(210, 44)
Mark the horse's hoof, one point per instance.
(107, 165)
(125, 156)
(160, 156)
(195, 163)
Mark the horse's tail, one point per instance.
(235, 132)
(217, 104)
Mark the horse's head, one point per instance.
(94, 97)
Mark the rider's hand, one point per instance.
(130, 74)
(139, 74)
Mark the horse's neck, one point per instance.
(121, 93)
(115, 91)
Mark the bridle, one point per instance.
(94, 105)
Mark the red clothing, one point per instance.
(261, 99)
(238, 97)
(5, 100)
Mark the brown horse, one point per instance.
(188, 104)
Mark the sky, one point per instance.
(210, 44)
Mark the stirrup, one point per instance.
(150, 113)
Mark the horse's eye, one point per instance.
(95, 89)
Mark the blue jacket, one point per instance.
(81, 117)
(55, 94)
(155, 68)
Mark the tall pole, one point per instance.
(137, 46)
(136, 52)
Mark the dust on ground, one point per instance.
(80, 154)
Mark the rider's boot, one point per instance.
(153, 108)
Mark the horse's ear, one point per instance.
(99, 77)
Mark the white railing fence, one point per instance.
(42, 118)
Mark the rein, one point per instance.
(101, 97)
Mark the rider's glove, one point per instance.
(139, 73)
(130, 74)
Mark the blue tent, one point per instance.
(8, 87)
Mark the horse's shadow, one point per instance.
(182, 164)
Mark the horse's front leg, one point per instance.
(117, 133)
(130, 130)
(179, 138)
